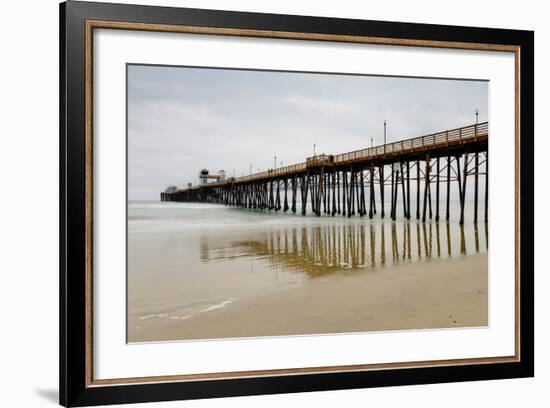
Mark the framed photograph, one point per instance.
(256, 203)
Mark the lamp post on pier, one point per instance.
(385, 134)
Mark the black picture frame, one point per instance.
(73, 299)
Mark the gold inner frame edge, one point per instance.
(101, 24)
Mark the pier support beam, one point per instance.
(394, 195)
(405, 208)
(294, 191)
(325, 194)
(463, 198)
(362, 189)
(437, 191)
(344, 188)
(418, 189)
(476, 184)
(351, 209)
(358, 193)
(458, 178)
(382, 185)
(371, 171)
(447, 212)
(426, 186)
(339, 187)
(318, 194)
(278, 199)
(408, 190)
(304, 189)
(313, 193)
(333, 193)
(285, 204)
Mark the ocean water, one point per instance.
(189, 258)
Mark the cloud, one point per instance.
(321, 105)
(181, 120)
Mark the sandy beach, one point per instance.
(422, 295)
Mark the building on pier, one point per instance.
(205, 176)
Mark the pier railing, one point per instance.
(294, 168)
(445, 138)
(440, 139)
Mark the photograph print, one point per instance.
(276, 203)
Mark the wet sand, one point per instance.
(422, 295)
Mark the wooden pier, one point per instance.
(353, 183)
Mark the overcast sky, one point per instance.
(181, 120)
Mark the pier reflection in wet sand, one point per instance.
(319, 250)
